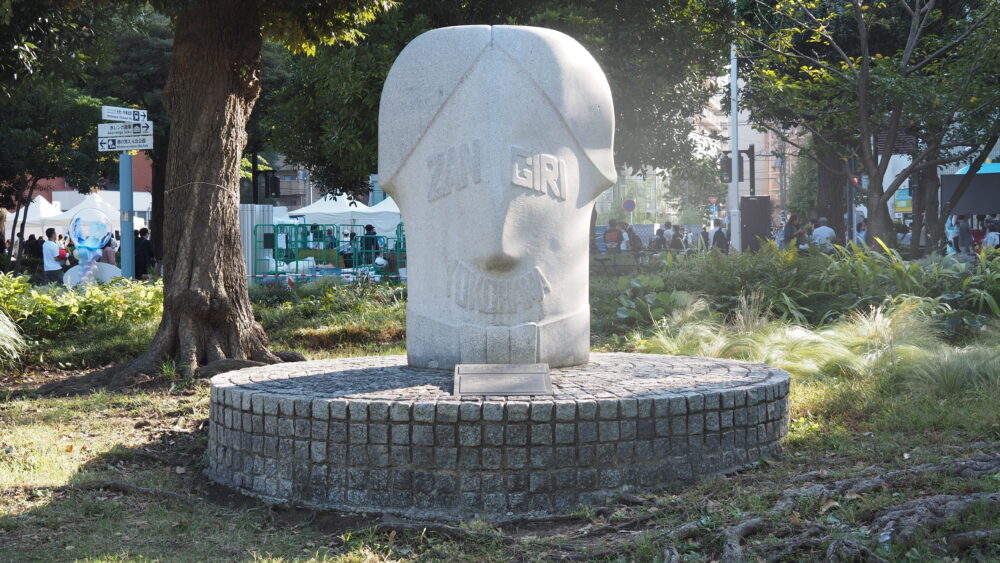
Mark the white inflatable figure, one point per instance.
(494, 141)
(90, 230)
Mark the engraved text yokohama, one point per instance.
(474, 291)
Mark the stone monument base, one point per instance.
(373, 435)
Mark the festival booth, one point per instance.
(96, 201)
(328, 211)
(384, 216)
(315, 241)
(39, 210)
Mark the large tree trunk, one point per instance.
(213, 83)
(24, 222)
(931, 183)
(918, 187)
(158, 189)
(830, 194)
(879, 221)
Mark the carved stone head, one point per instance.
(495, 141)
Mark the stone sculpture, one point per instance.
(495, 141)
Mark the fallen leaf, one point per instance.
(69, 448)
(796, 519)
(828, 505)
(852, 496)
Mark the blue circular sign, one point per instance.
(629, 205)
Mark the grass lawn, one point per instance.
(116, 476)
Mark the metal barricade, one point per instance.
(326, 249)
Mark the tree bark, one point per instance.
(879, 220)
(24, 222)
(830, 195)
(920, 188)
(158, 189)
(213, 83)
(932, 213)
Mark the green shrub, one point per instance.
(98, 346)
(815, 288)
(48, 311)
(12, 344)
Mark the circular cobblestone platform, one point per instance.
(371, 434)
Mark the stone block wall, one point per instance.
(449, 458)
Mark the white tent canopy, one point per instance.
(142, 202)
(329, 211)
(91, 201)
(41, 208)
(386, 204)
(384, 216)
(327, 205)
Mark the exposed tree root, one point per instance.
(732, 551)
(902, 524)
(609, 528)
(114, 378)
(679, 534)
(632, 500)
(590, 555)
(670, 554)
(851, 551)
(982, 464)
(222, 366)
(964, 540)
(534, 520)
(450, 532)
(137, 373)
(810, 538)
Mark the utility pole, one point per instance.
(782, 158)
(733, 198)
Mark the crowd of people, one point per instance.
(52, 255)
(817, 234)
(622, 237)
(795, 233)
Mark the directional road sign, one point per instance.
(122, 114)
(124, 129)
(124, 143)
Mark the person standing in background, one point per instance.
(50, 257)
(108, 253)
(964, 235)
(143, 254)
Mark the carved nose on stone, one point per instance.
(500, 262)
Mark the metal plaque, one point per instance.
(124, 129)
(122, 114)
(105, 144)
(502, 379)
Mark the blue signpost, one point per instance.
(134, 134)
(125, 197)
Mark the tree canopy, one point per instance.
(659, 57)
(871, 79)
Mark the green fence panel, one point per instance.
(326, 249)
